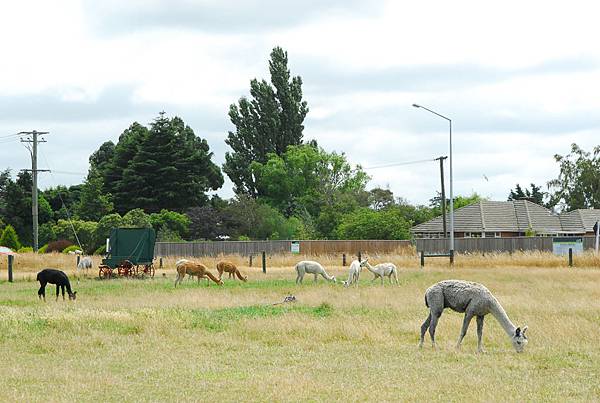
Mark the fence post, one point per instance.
(422, 259)
(452, 257)
(343, 259)
(264, 261)
(78, 259)
(359, 257)
(10, 263)
(160, 264)
(570, 257)
(250, 263)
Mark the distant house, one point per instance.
(501, 219)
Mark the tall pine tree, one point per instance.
(168, 168)
(267, 123)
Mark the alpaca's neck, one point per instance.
(502, 318)
(68, 286)
(371, 269)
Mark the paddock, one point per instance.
(150, 341)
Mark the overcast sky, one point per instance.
(520, 80)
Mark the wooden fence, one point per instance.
(462, 245)
(245, 248)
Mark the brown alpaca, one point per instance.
(194, 269)
(231, 269)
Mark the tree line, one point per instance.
(286, 187)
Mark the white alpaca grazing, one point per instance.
(310, 267)
(474, 300)
(354, 272)
(382, 270)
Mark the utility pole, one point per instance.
(441, 159)
(32, 138)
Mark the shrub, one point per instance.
(101, 250)
(9, 238)
(58, 246)
(43, 249)
(25, 249)
(71, 248)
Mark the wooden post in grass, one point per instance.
(160, 264)
(264, 261)
(78, 259)
(250, 263)
(422, 259)
(343, 259)
(10, 263)
(359, 255)
(570, 257)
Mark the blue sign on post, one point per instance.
(561, 245)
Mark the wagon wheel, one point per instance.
(125, 268)
(104, 272)
(149, 270)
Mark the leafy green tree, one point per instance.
(102, 159)
(94, 203)
(105, 225)
(16, 206)
(170, 223)
(577, 185)
(136, 218)
(246, 216)
(365, 223)
(10, 239)
(171, 169)
(267, 123)
(75, 230)
(57, 195)
(306, 178)
(380, 198)
(46, 233)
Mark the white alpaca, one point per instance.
(382, 270)
(85, 263)
(354, 272)
(474, 300)
(310, 267)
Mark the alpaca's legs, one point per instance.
(382, 277)
(315, 277)
(480, 333)
(62, 290)
(297, 278)
(424, 328)
(435, 316)
(57, 291)
(465, 326)
(42, 291)
(395, 277)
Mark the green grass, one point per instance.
(148, 341)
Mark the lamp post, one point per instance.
(451, 193)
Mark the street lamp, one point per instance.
(451, 193)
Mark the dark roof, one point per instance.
(498, 216)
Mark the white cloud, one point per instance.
(519, 79)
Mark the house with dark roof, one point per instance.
(501, 219)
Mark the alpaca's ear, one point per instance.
(524, 330)
(518, 332)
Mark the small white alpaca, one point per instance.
(310, 267)
(382, 270)
(474, 300)
(85, 263)
(354, 272)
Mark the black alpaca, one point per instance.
(57, 277)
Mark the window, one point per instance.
(473, 234)
(493, 234)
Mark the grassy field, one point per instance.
(144, 340)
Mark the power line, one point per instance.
(396, 164)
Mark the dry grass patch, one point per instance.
(144, 340)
